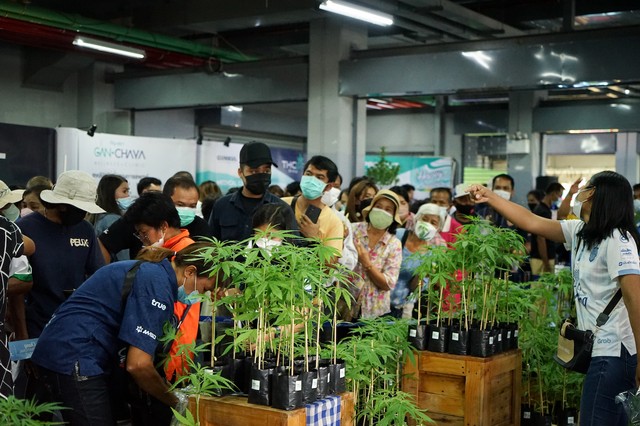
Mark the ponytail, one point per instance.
(194, 254)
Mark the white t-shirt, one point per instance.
(595, 282)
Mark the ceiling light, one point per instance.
(233, 108)
(105, 46)
(480, 57)
(357, 12)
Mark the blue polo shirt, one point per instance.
(89, 327)
(65, 256)
(229, 221)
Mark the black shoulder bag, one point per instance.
(575, 346)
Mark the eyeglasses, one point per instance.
(142, 236)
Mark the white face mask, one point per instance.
(160, 242)
(425, 230)
(330, 197)
(267, 243)
(577, 208)
(503, 194)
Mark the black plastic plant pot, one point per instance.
(337, 377)
(287, 391)
(309, 386)
(479, 343)
(323, 381)
(567, 417)
(226, 370)
(418, 336)
(514, 335)
(542, 420)
(243, 375)
(260, 390)
(497, 340)
(458, 341)
(526, 415)
(438, 338)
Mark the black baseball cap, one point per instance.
(254, 154)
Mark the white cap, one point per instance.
(76, 188)
(461, 190)
(432, 209)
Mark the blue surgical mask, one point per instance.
(11, 212)
(187, 215)
(191, 298)
(125, 203)
(312, 187)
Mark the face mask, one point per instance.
(425, 231)
(191, 298)
(312, 187)
(125, 203)
(577, 208)
(503, 194)
(464, 209)
(187, 215)
(25, 211)
(257, 184)
(267, 243)
(532, 206)
(403, 212)
(380, 219)
(330, 197)
(72, 216)
(160, 242)
(11, 212)
(444, 211)
(636, 206)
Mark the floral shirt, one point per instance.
(386, 256)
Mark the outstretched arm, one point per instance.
(518, 215)
(565, 206)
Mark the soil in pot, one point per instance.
(438, 338)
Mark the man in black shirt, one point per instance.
(543, 251)
(232, 214)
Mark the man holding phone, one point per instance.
(232, 215)
(315, 219)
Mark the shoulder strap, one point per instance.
(403, 241)
(128, 283)
(294, 200)
(604, 316)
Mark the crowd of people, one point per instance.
(72, 275)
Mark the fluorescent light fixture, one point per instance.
(480, 57)
(357, 12)
(107, 47)
(233, 108)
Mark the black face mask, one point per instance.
(72, 216)
(464, 209)
(257, 184)
(363, 205)
(532, 206)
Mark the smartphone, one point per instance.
(313, 213)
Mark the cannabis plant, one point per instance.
(24, 412)
(384, 172)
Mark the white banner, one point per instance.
(132, 157)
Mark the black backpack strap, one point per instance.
(404, 237)
(604, 316)
(294, 200)
(128, 283)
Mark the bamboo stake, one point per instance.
(318, 336)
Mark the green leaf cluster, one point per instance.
(384, 172)
(24, 412)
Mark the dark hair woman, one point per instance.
(77, 350)
(113, 196)
(364, 190)
(604, 249)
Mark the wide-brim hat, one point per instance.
(7, 196)
(76, 188)
(389, 195)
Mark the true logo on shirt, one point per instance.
(158, 305)
(79, 242)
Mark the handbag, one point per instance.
(575, 346)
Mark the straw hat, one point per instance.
(389, 195)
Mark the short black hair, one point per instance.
(636, 187)
(146, 182)
(321, 162)
(401, 191)
(152, 209)
(356, 180)
(292, 188)
(179, 182)
(539, 195)
(408, 187)
(442, 189)
(503, 176)
(554, 187)
(276, 215)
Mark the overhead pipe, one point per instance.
(81, 25)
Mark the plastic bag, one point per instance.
(630, 400)
(181, 408)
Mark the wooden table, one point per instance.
(236, 411)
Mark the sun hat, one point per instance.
(7, 196)
(76, 188)
(390, 195)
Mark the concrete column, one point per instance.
(523, 167)
(627, 149)
(336, 124)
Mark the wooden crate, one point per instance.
(464, 390)
(236, 411)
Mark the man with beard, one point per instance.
(232, 214)
(68, 250)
